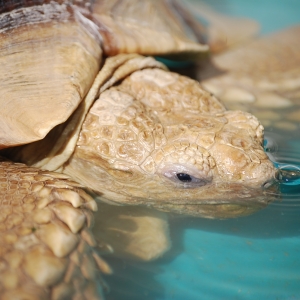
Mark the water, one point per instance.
(254, 257)
(272, 15)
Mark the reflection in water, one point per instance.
(285, 159)
(254, 257)
(288, 174)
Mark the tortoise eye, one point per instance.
(184, 177)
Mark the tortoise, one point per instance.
(85, 118)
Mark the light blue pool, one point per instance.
(255, 257)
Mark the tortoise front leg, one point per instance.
(134, 232)
(46, 248)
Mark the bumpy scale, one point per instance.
(47, 250)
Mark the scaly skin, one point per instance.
(155, 124)
(47, 250)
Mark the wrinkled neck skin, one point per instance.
(154, 125)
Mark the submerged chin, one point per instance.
(221, 201)
(215, 201)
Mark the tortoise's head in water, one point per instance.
(158, 138)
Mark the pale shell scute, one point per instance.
(44, 53)
(23, 16)
(147, 27)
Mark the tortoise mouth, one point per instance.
(225, 208)
(221, 201)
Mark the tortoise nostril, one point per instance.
(267, 184)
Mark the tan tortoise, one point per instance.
(123, 128)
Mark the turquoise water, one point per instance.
(271, 14)
(255, 257)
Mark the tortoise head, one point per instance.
(159, 139)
